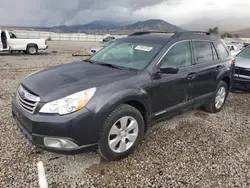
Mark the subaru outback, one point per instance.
(109, 101)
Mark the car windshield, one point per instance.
(245, 53)
(127, 54)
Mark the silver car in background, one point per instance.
(93, 50)
(242, 70)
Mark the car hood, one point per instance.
(242, 62)
(60, 81)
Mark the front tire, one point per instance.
(219, 98)
(122, 132)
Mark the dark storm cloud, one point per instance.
(71, 8)
(57, 12)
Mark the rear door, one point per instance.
(202, 71)
(223, 62)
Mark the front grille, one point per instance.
(242, 71)
(27, 100)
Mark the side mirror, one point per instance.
(169, 70)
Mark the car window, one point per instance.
(178, 56)
(215, 55)
(245, 53)
(12, 35)
(128, 54)
(221, 50)
(203, 51)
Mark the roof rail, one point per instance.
(148, 32)
(188, 33)
(176, 34)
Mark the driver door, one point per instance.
(171, 92)
(5, 39)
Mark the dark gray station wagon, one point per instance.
(111, 99)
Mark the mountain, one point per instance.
(224, 24)
(244, 33)
(111, 26)
(153, 24)
(95, 25)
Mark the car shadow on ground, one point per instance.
(22, 54)
(238, 91)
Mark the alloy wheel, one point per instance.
(123, 134)
(220, 97)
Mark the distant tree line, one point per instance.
(224, 34)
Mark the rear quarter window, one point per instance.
(221, 50)
(203, 51)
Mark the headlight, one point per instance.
(70, 103)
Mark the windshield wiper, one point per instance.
(89, 61)
(110, 65)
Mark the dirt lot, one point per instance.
(195, 149)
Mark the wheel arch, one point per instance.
(140, 102)
(31, 44)
(141, 108)
(135, 102)
(227, 80)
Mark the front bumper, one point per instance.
(241, 83)
(77, 127)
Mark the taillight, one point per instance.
(46, 41)
(233, 62)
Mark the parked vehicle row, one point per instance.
(9, 42)
(108, 38)
(234, 50)
(242, 70)
(111, 99)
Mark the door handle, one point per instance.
(218, 68)
(191, 76)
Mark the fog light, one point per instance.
(59, 143)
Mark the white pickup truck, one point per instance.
(9, 42)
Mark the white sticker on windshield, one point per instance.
(144, 48)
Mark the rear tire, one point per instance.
(122, 132)
(32, 49)
(219, 98)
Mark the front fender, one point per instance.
(104, 105)
(109, 102)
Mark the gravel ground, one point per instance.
(195, 149)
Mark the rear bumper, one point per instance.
(44, 47)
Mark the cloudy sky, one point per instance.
(232, 13)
